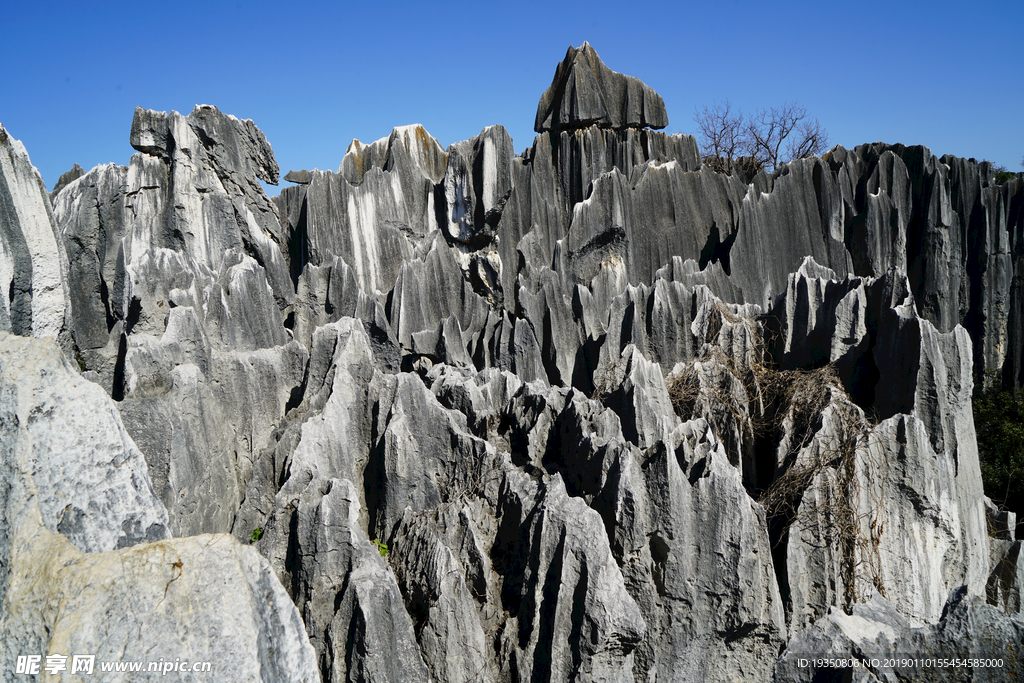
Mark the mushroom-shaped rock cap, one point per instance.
(585, 92)
(299, 177)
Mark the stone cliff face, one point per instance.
(595, 412)
(33, 264)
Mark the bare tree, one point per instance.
(723, 133)
(726, 135)
(810, 139)
(770, 128)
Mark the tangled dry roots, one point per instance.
(683, 390)
(771, 394)
(787, 407)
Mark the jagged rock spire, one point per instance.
(585, 92)
(66, 179)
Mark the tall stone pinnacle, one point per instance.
(585, 92)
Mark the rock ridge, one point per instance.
(592, 412)
(585, 92)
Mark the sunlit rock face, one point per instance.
(88, 564)
(33, 264)
(585, 92)
(591, 412)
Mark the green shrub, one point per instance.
(1002, 173)
(257, 534)
(80, 359)
(382, 548)
(999, 421)
(1003, 176)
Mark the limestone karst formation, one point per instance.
(591, 413)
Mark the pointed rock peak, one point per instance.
(585, 92)
(422, 148)
(810, 268)
(231, 144)
(7, 141)
(407, 148)
(66, 179)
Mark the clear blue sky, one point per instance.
(313, 76)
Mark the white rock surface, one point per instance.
(70, 476)
(61, 432)
(33, 265)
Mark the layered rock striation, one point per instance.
(88, 565)
(33, 263)
(592, 412)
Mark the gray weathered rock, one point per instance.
(696, 549)
(298, 177)
(93, 221)
(585, 92)
(84, 477)
(450, 589)
(432, 288)
(897, 506)
(875, 634)
(570, 613)
(33, 263)
(352, 606)
(185, 225)
(693, 220)
(205, 596)
(210, 201)
(1004, 583)
(65, 179)
(423, 456)
(477, 184)
(615, 415)
(409, 151)
(203, 416)
(557, 172)
(329, 293)
(546, 305)
(76, 494)
(641, 400)
(480, 396)
(373, 211)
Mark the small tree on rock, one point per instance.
(771, 136)
(723, 134)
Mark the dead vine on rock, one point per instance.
(821, 492)
(819, 466)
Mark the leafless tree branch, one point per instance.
(726, 135)
(811, 139)
(723, 135)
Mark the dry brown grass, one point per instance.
(771, 393)
(835, 461)
(683, 390)
(791, 403)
